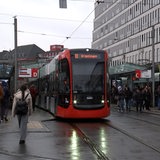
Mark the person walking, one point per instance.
(121, 98)
(147, 97)
(128, 97)
(138, 97)
(23, 92)
(34, 93)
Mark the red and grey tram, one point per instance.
(75, 84)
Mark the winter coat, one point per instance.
(17, 96)
(1, 93)
(138, 97)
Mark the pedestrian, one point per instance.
(138, 97)
(114, 94)
(34, 93)
(1, 99)
(147, 97)
(22, 119)
(128, 97)
(158, 97)
(6, 100)
(121, 98)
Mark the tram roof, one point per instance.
(125, 68)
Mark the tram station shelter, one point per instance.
(125, 74)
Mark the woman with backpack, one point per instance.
(22, 94)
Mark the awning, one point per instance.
(125, 68)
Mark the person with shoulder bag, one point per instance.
(21, 96)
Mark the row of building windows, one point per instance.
(132, 12)
(141, 41)
(125, 29)
(139, 58)
(134, 27)
(110, 8)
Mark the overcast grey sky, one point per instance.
(43, 23)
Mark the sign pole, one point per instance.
(15, 54)
(153, 67)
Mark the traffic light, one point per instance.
(62, 3)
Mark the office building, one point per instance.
(128, 29)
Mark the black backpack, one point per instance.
(21, 106)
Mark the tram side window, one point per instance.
(64, 76)
(51, 83)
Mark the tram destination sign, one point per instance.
(86, 56)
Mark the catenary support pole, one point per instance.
(153, 67)
(15, 53)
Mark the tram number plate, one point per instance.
(89, 97)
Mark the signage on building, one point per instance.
(28, 72)
(47, 55)
(138, 73)
(56, 47)
(34, 72)
(146, 74)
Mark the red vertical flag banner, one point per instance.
(138, 73)
(34, 72)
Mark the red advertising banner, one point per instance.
(34, 72)
(138, 73)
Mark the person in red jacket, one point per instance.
(33, 92)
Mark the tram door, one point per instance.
(64, 83)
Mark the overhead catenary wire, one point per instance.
(6, 23)
(46, 34)
(49, 18)
(70, 36)
(45, 18)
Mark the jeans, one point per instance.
(23, 120)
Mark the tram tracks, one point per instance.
(140, 118)
(139, 140)
(93, 146)
(90, 141)
(97, 149)
(143, 120)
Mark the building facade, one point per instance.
(128, 29)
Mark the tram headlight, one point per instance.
(75, 101)
(102, 101)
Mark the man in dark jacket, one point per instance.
(138, 97)
(5, 101)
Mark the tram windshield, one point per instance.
(88, 75)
